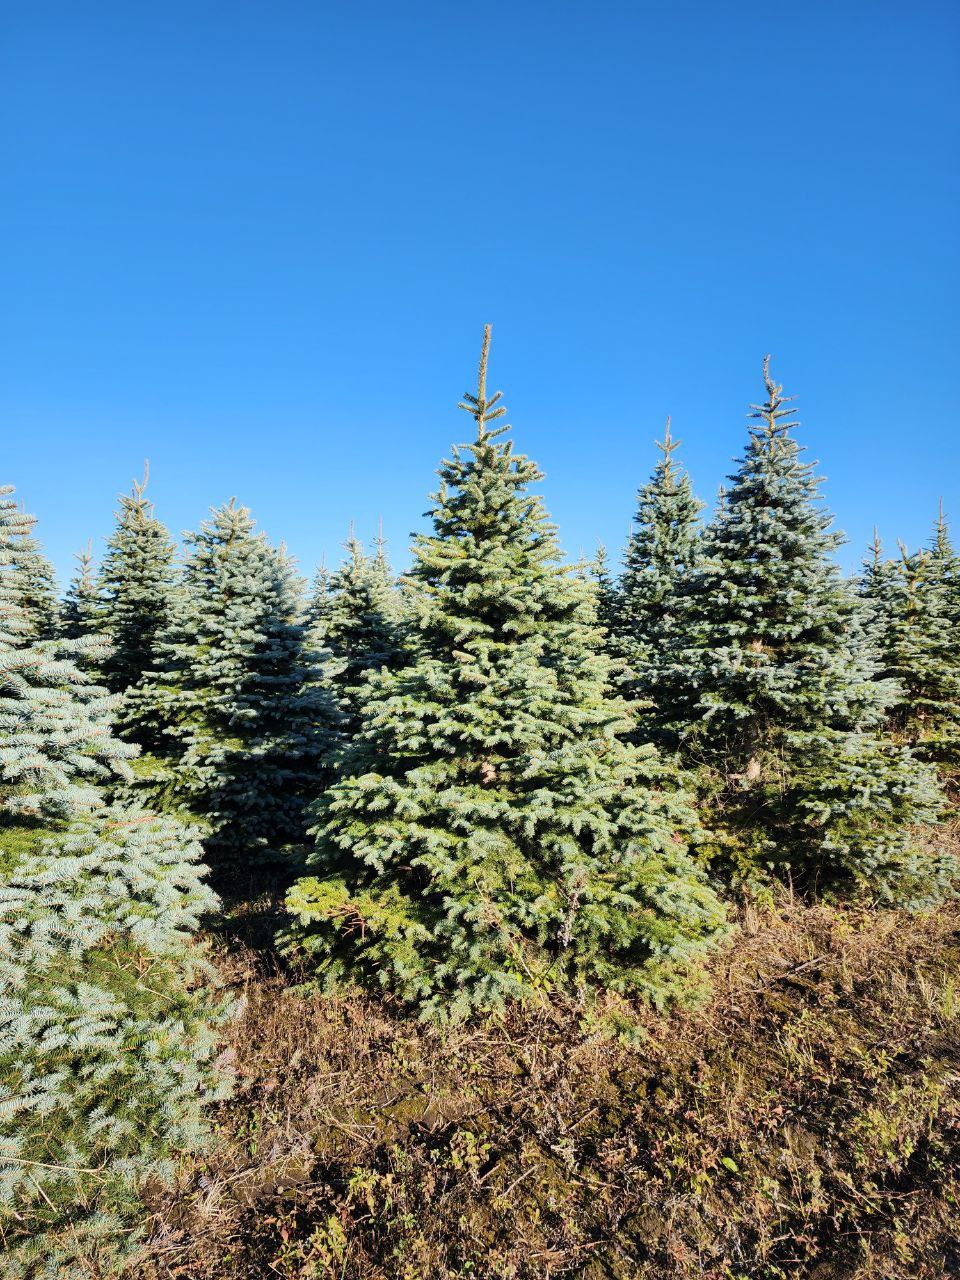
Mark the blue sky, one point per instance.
(257, 243)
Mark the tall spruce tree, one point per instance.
(137, 582)
(355, 624)
(492, 834)
(661, 552)
(105, 1036)
(242, 722)
(780, 707)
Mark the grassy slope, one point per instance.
(803, 1123)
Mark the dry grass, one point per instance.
(803, 1123)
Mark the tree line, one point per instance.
(502, 776)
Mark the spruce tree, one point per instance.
(914, 627)
(105, 1036)
(877, 583)
(38, 587)
(355, 624)
(946, 565)
(492, 835)
(233, 702)
(661, 552)
(780, 708)
(942, 573)
(318, 604)
(607, 595)
(137, 582)
(82, 611)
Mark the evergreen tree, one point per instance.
(492, 834)
(661, 552)
(318, 604)
(237, 710)
(105, 1037)
(944, 570)
(780, 707)
(137, 583)
(914, 628)
(38, 587)
(82, 611)
(355, 625)
(877, 581)
(607, 596)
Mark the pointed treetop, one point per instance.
(667, 446)
(138, 487)
(876, 547)
(380, 543)
(354, 547)
(776, 417)
(941, 534)
(479, 407)
(85, 560)
(135, 502)
(321, 579)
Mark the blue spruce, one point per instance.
(355, 622)
(661, 553)
(492, 834)
(106, 1035)
(779, 708)
(234, 701)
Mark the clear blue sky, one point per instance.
(257, 242)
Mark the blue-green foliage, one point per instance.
(82, 613)
(606, 594)
(105, 1033)
(233, 702)
(37, 587)
(136, 585)
(492, 834)
(354, 622)
(915, 605)
(778, 704)
(661, 552)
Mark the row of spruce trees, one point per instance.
(503, 775)
(106, 1028)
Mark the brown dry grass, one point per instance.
(805, 1122)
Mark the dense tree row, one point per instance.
(504, 775)
(106, 1032)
